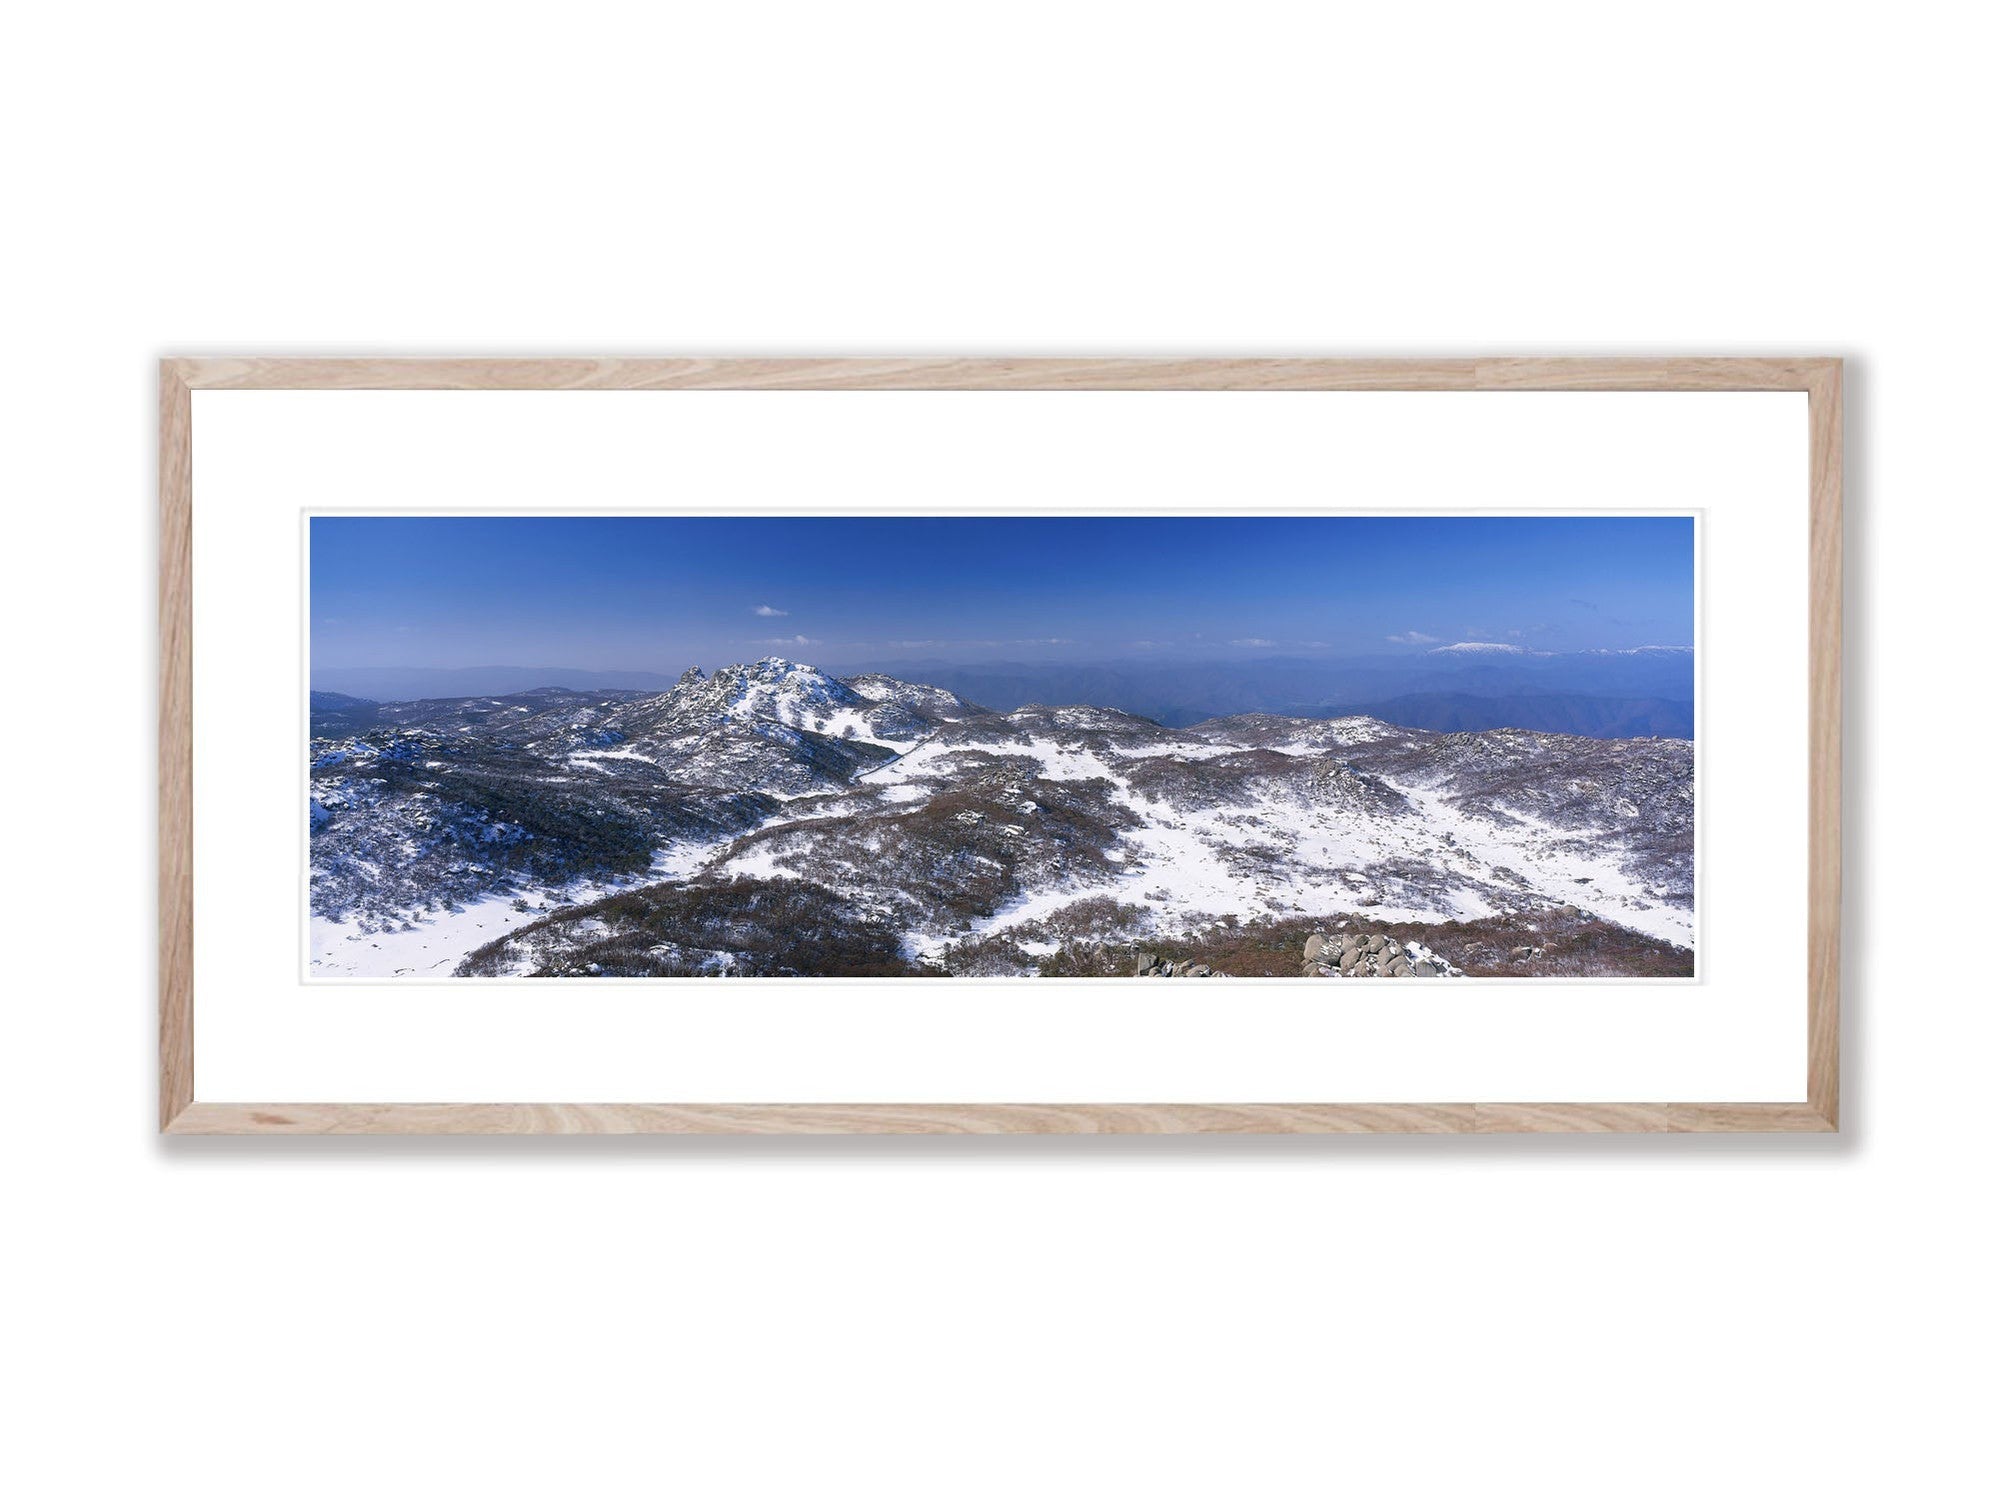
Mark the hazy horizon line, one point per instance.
(817, 659)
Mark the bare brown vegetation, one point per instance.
(1532, 944)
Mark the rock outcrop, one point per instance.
(1152, 966)
(1366, 955)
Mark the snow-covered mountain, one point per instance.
(772, 690)
(932, 704)
(772, 818)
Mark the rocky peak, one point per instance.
(762, 689)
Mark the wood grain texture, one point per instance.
(1827, 581)
(1001, 374)
(1748, 1118)
(1651, 374)
(1819, 377)
(176, 774)
(1571, 1118)
(994, 1119)
(829, 374)
(824, 1119)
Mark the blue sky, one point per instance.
(659, 593)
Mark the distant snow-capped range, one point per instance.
(873, 823)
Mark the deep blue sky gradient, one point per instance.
(660, 593)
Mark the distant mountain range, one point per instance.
(1649, 690)
(1547, 713)
(402, 684)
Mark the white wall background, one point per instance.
(993, 1317)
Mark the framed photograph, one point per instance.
(994, 745)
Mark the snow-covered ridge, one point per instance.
(952, 824)
(1262, 815)
(775, 691)
(934, 702)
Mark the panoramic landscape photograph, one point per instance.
(1316, 748)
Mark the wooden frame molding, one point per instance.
(181, 1114)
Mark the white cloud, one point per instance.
(786, 640)
(1412, 637)
(1252, 640)
(764, 611)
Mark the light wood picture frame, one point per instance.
(183, 1112)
